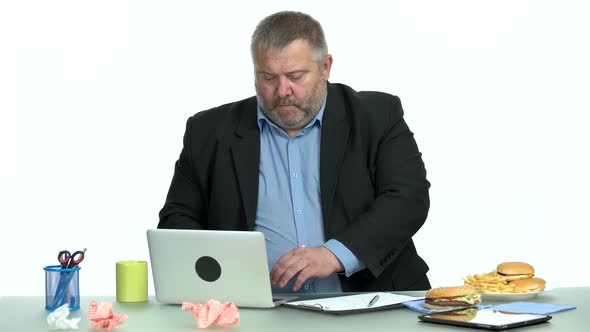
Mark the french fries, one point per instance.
(492, 283)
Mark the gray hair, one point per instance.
(278, 30)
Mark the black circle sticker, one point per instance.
(208, 268)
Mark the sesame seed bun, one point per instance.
(451, 291)
(515, 270)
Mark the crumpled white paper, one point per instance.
(58, 320)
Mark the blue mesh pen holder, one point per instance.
(62, 286)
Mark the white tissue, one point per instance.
(58, 320)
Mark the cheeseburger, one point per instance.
(530, 285)
(515, 270)
(443, 298)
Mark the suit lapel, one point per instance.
(246, 158)
(335, 131)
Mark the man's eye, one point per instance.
(295, 77)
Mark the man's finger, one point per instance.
(281, 267)
(305, 274)
(293, 270)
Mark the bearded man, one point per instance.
(332, 177)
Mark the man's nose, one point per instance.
(284, 88)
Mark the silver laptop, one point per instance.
(198, 265)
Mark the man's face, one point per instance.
(290, 85)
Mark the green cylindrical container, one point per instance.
(132, 281)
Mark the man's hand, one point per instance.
(307, 262)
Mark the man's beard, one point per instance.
(304, 111)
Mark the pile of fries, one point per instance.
(492, 283)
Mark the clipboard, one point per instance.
(357, 303)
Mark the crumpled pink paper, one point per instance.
(213, 313)
(101, 316)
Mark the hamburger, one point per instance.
(531, 284)
(444, 298)
(457, 315)
(515, 270)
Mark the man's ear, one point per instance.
(327, 66)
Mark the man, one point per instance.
(332, 177)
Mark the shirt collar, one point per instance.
(261, 118)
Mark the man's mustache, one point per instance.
(285, 101)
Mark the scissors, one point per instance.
(68, 260)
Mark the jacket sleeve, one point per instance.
(400, 201)
(185, 202)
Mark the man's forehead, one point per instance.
(291, 56)
(296, 48)
(295, 43)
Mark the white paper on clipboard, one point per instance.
(353, 303)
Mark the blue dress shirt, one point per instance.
(289, 211)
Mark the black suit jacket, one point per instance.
(373, 183)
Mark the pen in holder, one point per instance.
(62, 285)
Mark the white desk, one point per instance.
(28, 314)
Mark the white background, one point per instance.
(94, 97)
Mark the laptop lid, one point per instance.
(198, 265)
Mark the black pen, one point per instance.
(373, 301)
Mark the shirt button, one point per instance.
(294, 175)
(298, 211)
(306, 287)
